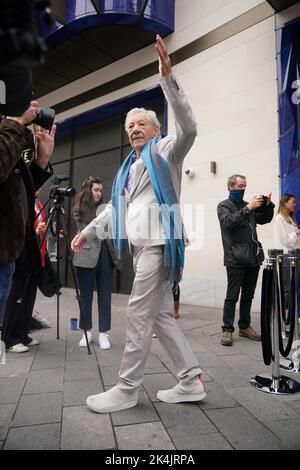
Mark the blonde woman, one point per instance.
(286, 231)
(287, 237)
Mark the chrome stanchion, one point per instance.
(280, 256)
(294, 365)
(278, 384)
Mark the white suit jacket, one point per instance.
(143, 226)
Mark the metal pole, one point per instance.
(274, 323)
(277, 385)
(293, 254)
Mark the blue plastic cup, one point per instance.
(73, 324)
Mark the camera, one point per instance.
(45, 118)
(265, 199)
(56, 192)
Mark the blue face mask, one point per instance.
(237, 194)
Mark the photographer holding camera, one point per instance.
(18, 184)
(243, 253)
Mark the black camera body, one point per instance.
(45, 118)
(265, 200)
(56, 192)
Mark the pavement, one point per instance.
(43, 391)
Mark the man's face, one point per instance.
(240, 183)
(140, 130)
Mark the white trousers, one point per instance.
(150, 309)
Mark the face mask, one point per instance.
(237, 194)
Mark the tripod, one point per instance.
(57, 214)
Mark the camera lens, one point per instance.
(45, 118)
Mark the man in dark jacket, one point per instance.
(18, 183)
(243, 253)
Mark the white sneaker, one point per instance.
(104, 341)
(34, 342)
(82, 342)
(183, 392)
(18, 348)
(112, 400)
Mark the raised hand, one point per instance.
(165, 67)
(44, 144)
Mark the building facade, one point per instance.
(226, 54)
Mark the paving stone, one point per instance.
(242, 430)
(142, 413)
(227, 376)
(184, 421)
(49, 345)
(49, 361)
(76, 353)
(110, 375)
(6, 415)
(86, 430)
(245, 365)
(214, 441)
(146, 436)
(77, 391)
(233, 413)
(16, 366)
(295, 406)
(263, 406)
(44, 381)
(217, 397)
(38, 409)
(110, 357)
(11, 389)
(288, 431)
(81, 371)
(208, 359)
(41, 437)
(154, 383)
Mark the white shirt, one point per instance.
(131, 174)
(285, 234)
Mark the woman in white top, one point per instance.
(287, 237)
(286, 231)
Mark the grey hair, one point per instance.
(232, 179)
(151, 115)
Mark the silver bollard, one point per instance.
(294, 364)
(278, 384)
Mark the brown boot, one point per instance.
(176, 310)
(226, 339)
(250, 333)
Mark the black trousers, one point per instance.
(86, 278)
(239, 280)
(17, 316)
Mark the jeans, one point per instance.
(86, 278)
(244, 280)
(6, 273)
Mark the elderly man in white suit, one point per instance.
(150, 305)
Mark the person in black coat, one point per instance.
(20, 180)
(243, 253)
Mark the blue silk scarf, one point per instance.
(169, 211)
